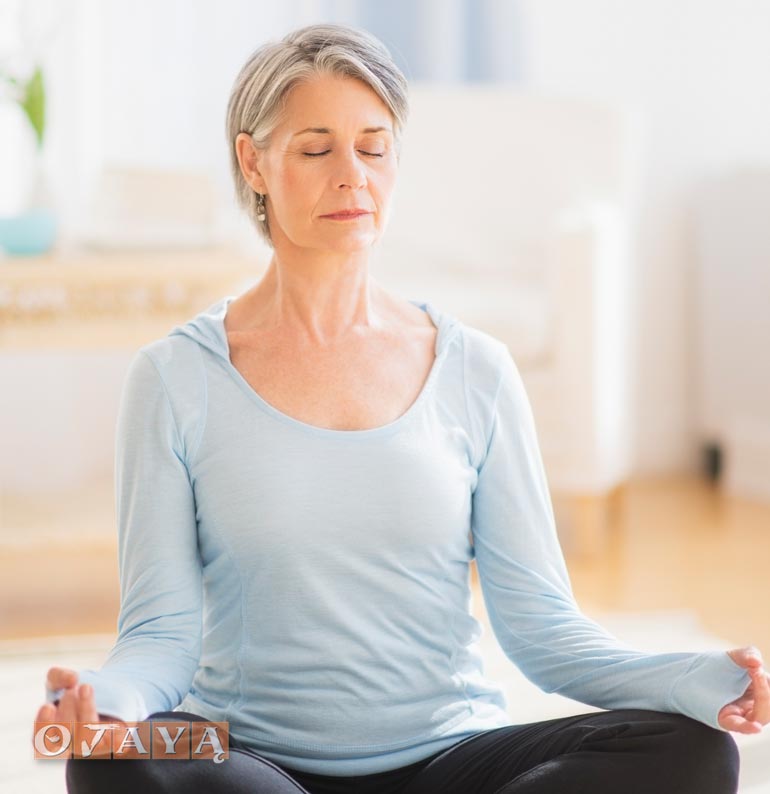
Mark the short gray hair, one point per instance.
(259, 92)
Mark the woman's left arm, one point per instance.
(529, 598)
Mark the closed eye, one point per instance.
(320, 154)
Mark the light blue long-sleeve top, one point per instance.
(311, 586)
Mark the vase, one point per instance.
(33, 231)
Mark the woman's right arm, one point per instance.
(151, 666)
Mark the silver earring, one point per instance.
(260, 207)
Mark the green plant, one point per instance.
(30, 94)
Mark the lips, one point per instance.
(346, 214)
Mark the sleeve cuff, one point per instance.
(114, 697)
(712, 681)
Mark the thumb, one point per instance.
(749, 656)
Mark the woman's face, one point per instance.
(333, 150)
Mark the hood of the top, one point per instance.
(208, 329)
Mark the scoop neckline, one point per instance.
(438, 320)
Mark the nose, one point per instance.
(350, 171)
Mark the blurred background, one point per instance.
(589, 182)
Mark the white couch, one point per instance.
(511, 212)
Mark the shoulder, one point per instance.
(475, 363)
(169, 352)
(176, 360)
(172, 362)
(485, 358)
(171, 370)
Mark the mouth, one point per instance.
(346, 216)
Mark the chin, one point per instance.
(352, 242)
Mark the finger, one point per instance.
(749, 656)
(61, 677)
(68, 708)
(736, 711)
(58, 680)
(734, 722)
(761, 695)
(46, 713)
(86, 710)
(759, 677)
(746, 705)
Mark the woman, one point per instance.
(304, 473)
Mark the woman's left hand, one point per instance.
(749, 712)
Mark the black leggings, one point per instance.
(624, 750)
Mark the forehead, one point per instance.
(327, 104)
(330, 131)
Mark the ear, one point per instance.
(249, 159)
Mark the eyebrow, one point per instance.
(327, 131)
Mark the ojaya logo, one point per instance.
(157, 739)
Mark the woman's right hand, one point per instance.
(76, 704)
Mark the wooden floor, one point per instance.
(674, 542)
(680, 542)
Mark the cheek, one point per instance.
(387, 179)
(293, 180)
(298, 189)
(382, 187)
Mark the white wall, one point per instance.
(694, 70)
(139, 84)
(698, 70)
(146, 83)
